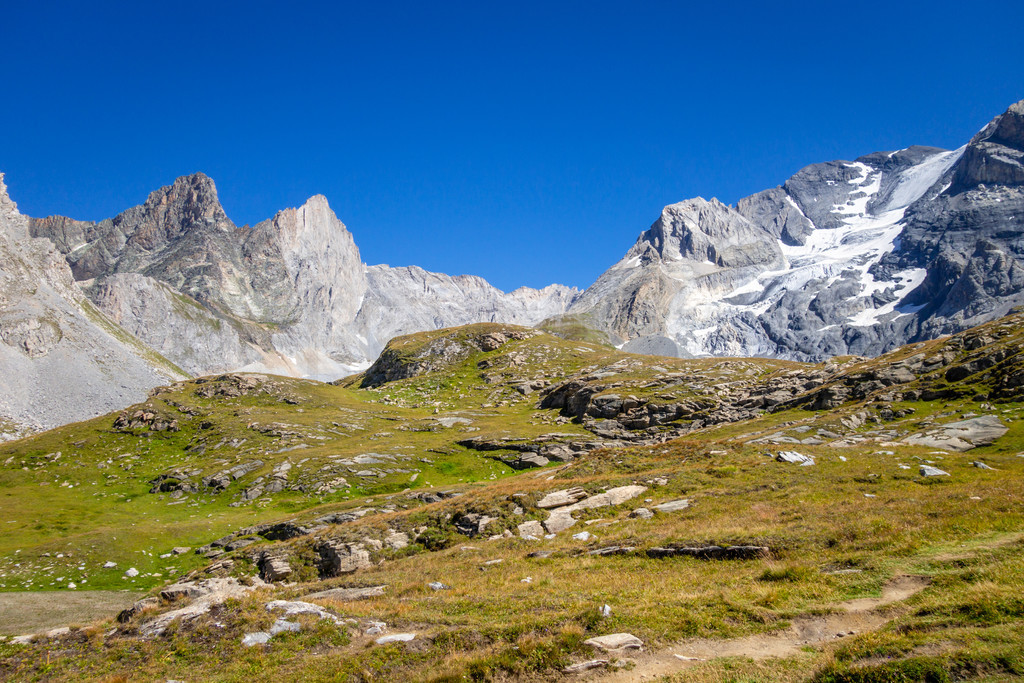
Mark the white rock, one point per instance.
(258, 638)
(615, 641)
(283, 626)
(673, 505)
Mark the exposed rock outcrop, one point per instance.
(845, 257)
(289, 295)
(62, 359)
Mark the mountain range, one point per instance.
(845, 257)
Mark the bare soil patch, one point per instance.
(34, 611)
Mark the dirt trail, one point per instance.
(855, 616)
(34, 611)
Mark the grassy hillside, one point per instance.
(415, 464)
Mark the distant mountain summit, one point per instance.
(289, 295)
(61, 359)
(845, 257)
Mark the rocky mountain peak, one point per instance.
(707, 231)
(995, 156)
(190, 202)
(8, 209)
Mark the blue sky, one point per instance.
(526, 142)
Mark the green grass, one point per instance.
(836, 531)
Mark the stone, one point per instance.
(472, 524)
(339, 557)
(348, 594)
(526, 461)
(438, 586)
(982, 466)
(531, 529)
(180, 591)
(376, 628)
(284, 626)
(585, 666)
(293, 607)
(611, 497)
(274, 569)
(258, 638)
(132, 572)
(794, 458)
(396, 638)
(109, 565)
(929, 471)
(612, 550)
(615, 641)
(561, 498)
(582, 536)
(673, 505)
(139, 607)
(559, 520)
(397, 540)
(961, 436)
(208, 594)
(641, 513)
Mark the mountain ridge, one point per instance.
(844, 257)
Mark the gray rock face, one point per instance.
(697, 250)
(289, 296)
(843, 258)
(962, 435)
(62, 359)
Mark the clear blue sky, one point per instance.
(526, 142)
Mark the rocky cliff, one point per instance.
(289, 295)
(62, 359)
(844, 257)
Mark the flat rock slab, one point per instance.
(672, 506)
(395, 638)
(452, 421)
(532, 528)
(284, 626)
(929, 471)
(560, 498)
(615, 496)
(559, 520)
(212, 592)
(794, 458)
(585, 666)
(291, 608)
(615, 641)
(258, 638)
(348, 594)
(961, 436)
(526, 461)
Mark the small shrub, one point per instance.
(437, 539)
